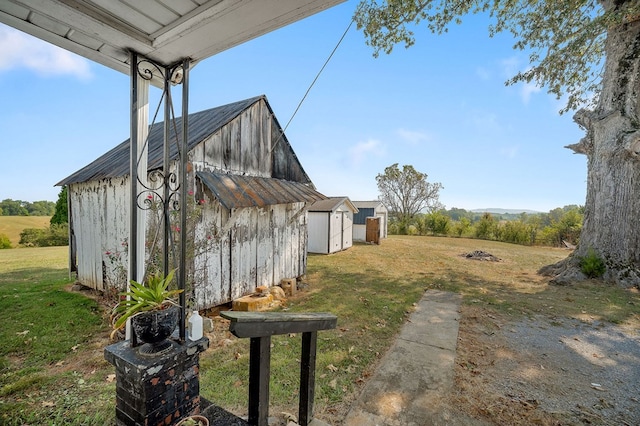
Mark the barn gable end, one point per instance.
(252, 234)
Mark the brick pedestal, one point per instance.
(156, 390)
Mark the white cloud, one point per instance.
(413, 137)
(527, 90)
(510, 66)
(362, 150)
(19, 50)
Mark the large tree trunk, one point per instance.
(612, 145)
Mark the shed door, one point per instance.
(347, 230)
(373, 230)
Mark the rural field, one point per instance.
(12, 226)
(52, 369)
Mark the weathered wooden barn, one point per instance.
(370, 223)
(248, 199)
(330, 225)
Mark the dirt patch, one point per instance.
(481, 255)
(547, 371)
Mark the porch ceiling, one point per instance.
(163, 31)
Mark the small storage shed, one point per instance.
(247, 197)
(330, 225)
(370, 209)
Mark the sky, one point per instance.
(440, 106)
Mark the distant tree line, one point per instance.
(57, 234)
(559, 227)
(9, 207)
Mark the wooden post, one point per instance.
(259, 371)
(307, 377)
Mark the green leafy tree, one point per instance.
(462, 226)
(60, 214)
(586, 51)
(485, 228)
(13, 208)
(40, 208)
(438, 223)
(407, 192)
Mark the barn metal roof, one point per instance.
(234, 191)
(106, 31)
(332, 204)
(115, 163)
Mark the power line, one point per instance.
(313, 83)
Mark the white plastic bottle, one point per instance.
(195, 326)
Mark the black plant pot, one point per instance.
(153, 328)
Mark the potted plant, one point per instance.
(194, 420)
(152, 309)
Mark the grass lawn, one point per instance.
(52, 368)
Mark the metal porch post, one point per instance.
(137, 171)
(182, 272)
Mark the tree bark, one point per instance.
(612, 146)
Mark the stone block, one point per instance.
(253, 303)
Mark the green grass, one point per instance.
(45, 327)
(371, 289)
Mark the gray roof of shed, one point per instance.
(332, 204)
(115, 163)
(369, 204)
(235, 191)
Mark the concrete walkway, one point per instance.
(416, 374)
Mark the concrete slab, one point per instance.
(416, 374)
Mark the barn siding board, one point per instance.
(264, 155)
(213, 152)
(263, 249)
(235, 250)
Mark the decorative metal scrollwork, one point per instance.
(153, 194)
(147, 69)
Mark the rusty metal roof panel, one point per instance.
(234, 191)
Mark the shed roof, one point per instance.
(234, 191)
(332, 204)
(369, 204)
(115, 163)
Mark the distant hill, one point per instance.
(12, 226)
(504, 211)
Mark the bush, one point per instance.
(55, 235)
(592, 265)
(5, 242)
(517, 232)
(438, 223)
(485, 228)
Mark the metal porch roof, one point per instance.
(163, 31)
(234, 191)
